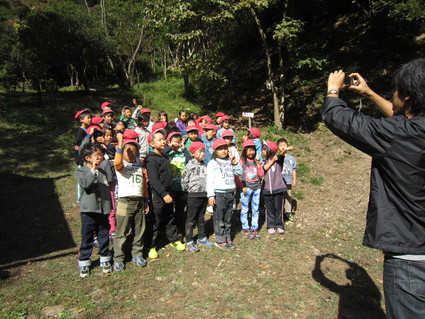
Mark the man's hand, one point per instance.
(244, 190)
(211, 201)
(360, 86)
(168, 199)
(336, 80)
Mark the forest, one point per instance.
(228, 53)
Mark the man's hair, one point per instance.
(89, 149)
(83, 115)
(409, 80)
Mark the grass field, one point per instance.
(318, 269)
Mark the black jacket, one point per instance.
(396, 210)
(159, 172)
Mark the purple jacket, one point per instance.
(273, 181)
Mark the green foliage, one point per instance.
(407, 10)
(164, 95)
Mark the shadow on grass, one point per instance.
(32, 219)
(358, 299)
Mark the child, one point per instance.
(132, 202)
(126, 118)
(192, 136)
(141, 129)
(228, 136)
(181, 122)
(289, 175)
(221, 171)
(190, 122)
(163, 117)
(208, 139)
(251, 188)
(194, 182)
(254, 134)
(109, 116)
(84, 118)
(94, 178)
(273, 187)
(225, 125)
(161, 181)
(178, 156)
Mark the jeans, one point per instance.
(274, 216)
(91, 223)
(196, 207)
(253, 196)
(130, 215)
(404, 288)
(222, 216)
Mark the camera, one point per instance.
(349, 81)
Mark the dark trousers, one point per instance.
(274, 214)
(180, 202)
(196, 207)
(163, 218)
(222, 216)
(94, 223)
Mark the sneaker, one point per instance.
(289, 217)
(280, 230)
(205, 242)
(255, 233)
(153, 254)
(140, 261)
(222, 245)
(119, 266)
(95, 242)
(84, 271)
(192, 247)
(178, 245)
(106, 267)
(231, 245)
(247, 233)
(271, 231)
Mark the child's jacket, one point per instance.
(273, 181)
(159, 172)
(221, 176)
(194, 179)
(96, 197)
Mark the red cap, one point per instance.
(218, 142)
(210, 127)
(131, 141)
(227, 133)
(106, 111)
(192, 128)
(130, 134)
(96, 120)
(271, 145)
(105, 105)
(224, 117)
(248, 143)
(207, 118)
(255, 131)
(96, 127)
(158, 126)
(196, 146)
(173, 134)
(145, 110)
(80, 112)
(219, 114)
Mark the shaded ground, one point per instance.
(318, 269)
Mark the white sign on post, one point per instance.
(249, 115)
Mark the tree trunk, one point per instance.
(277, 107)
(132, 60)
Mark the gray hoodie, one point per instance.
(194, 179)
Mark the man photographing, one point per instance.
(396, 210)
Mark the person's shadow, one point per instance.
(358, 299)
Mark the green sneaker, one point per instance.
(153, 254)
(178, 245)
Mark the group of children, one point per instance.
(139, 179)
